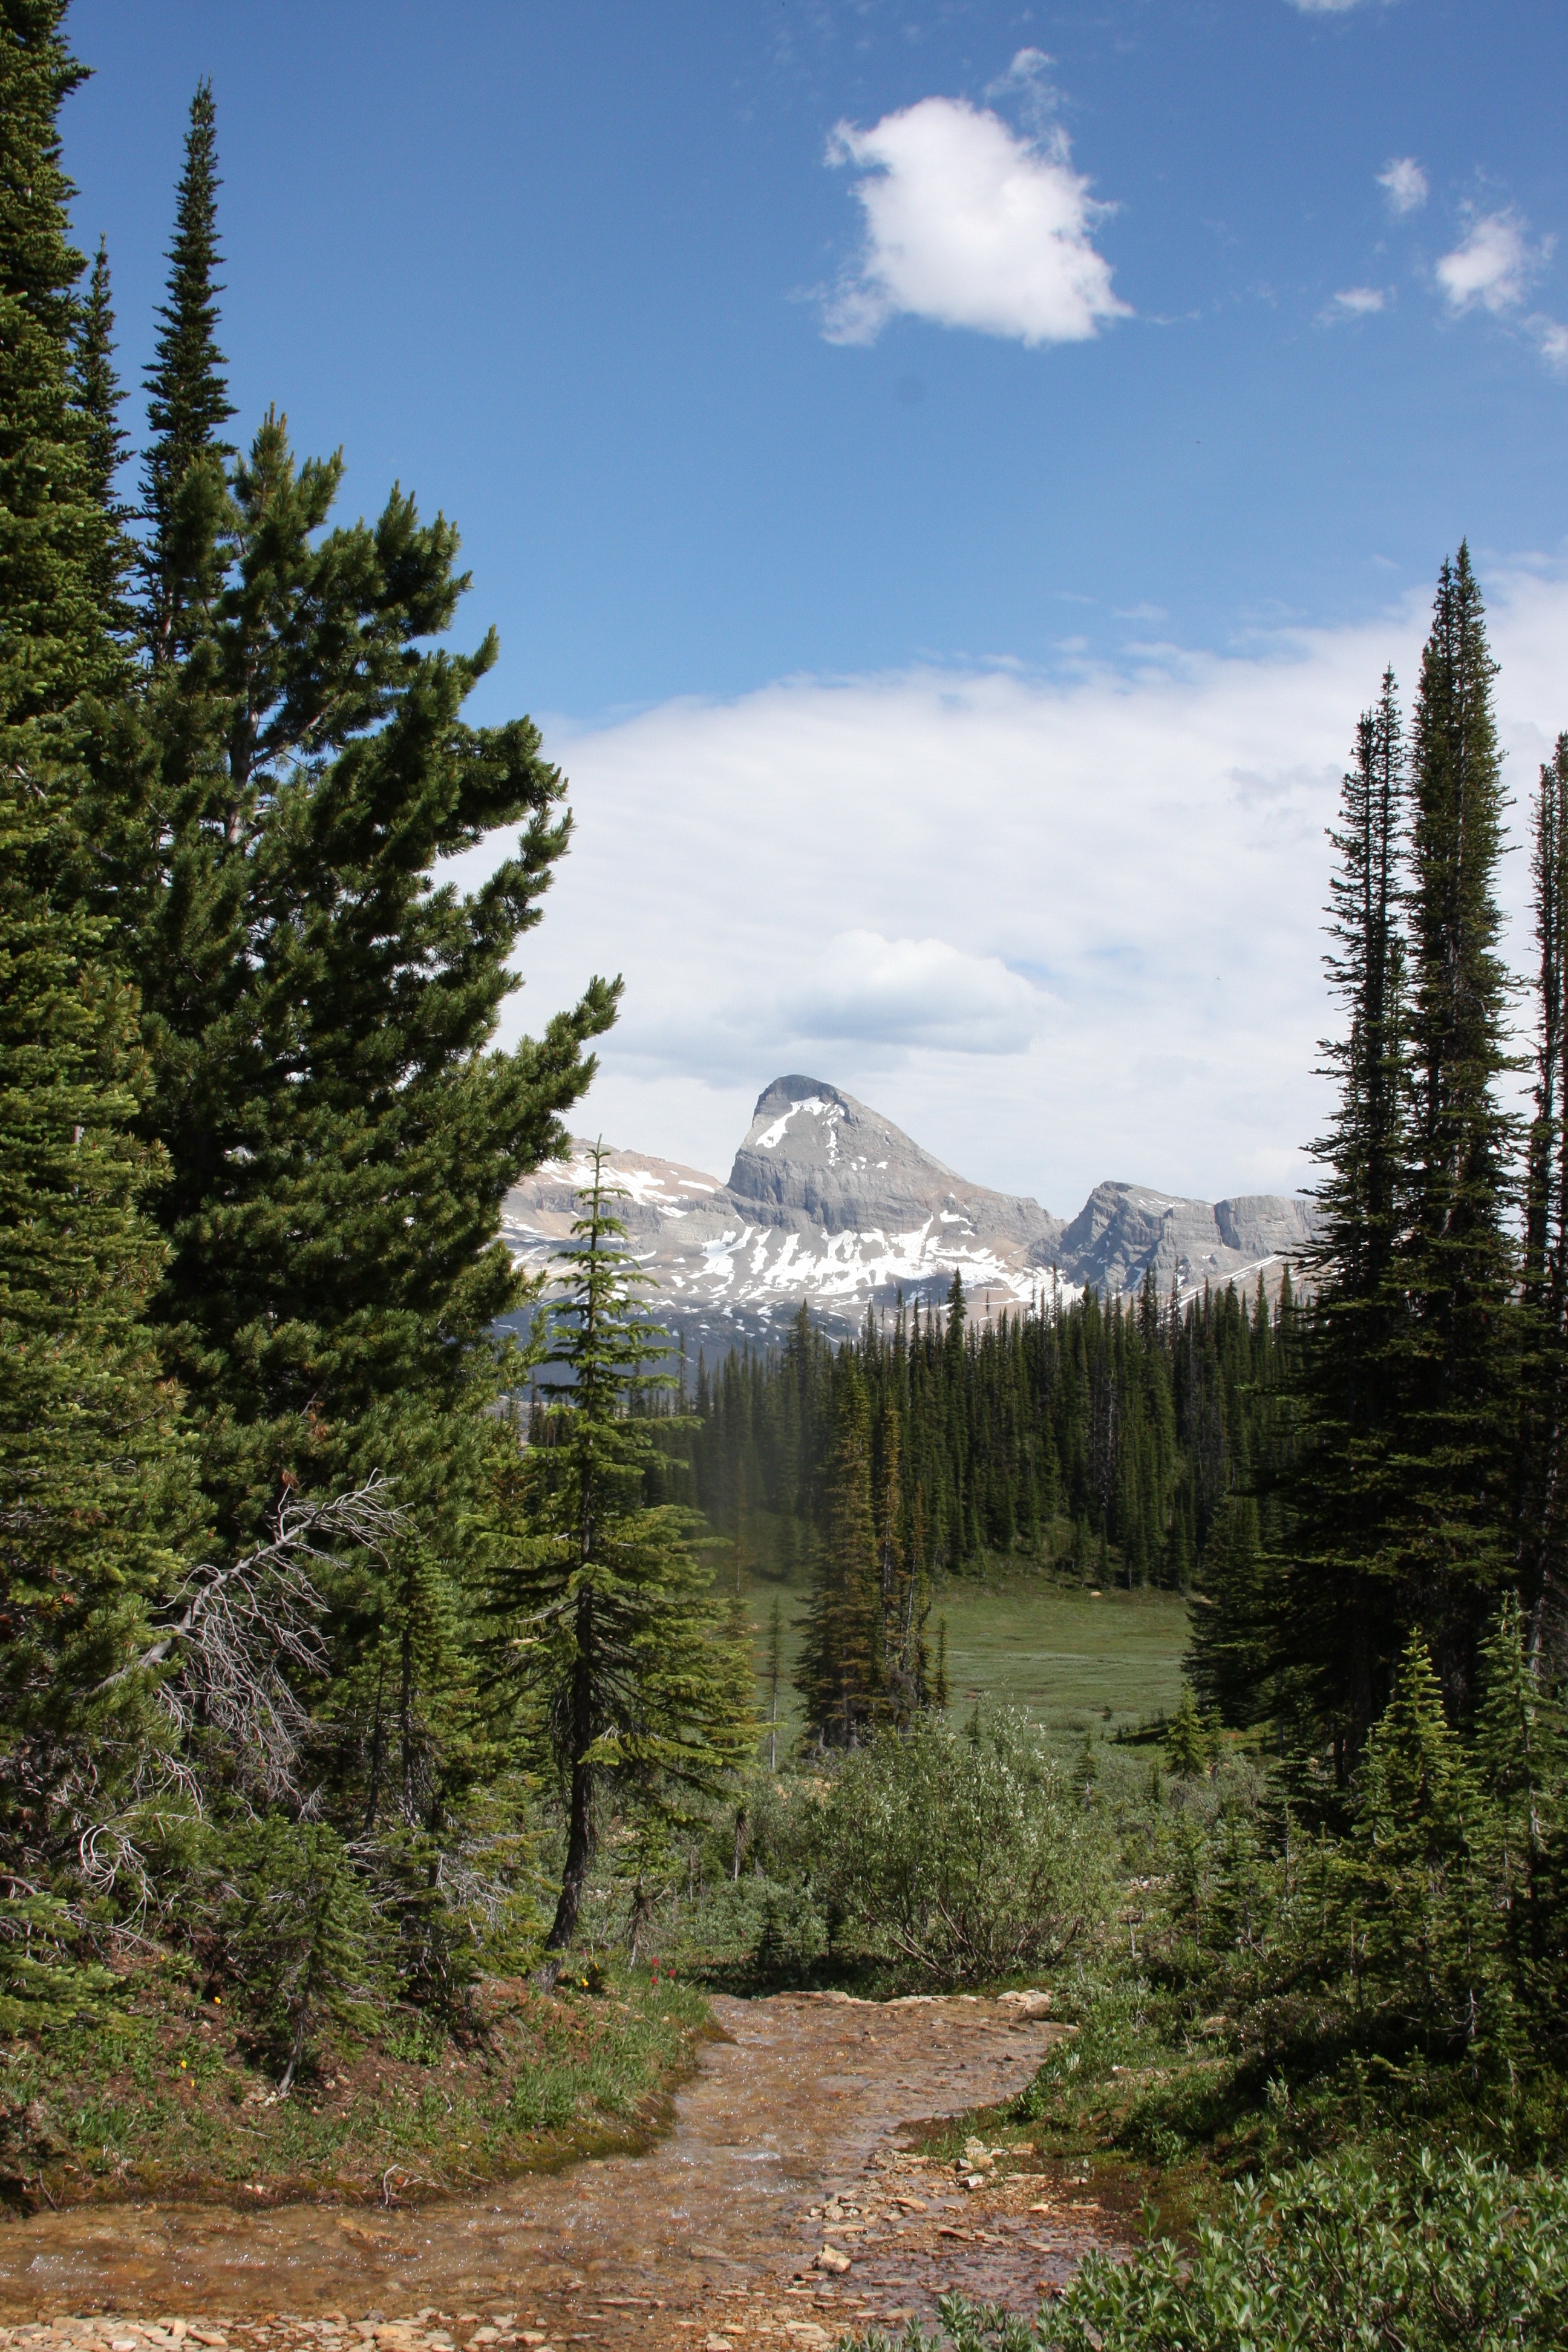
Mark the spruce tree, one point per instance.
(1427, 1934)
(1543, 1434)
(1455, 1467)
(1344, 1615)
(840, 1674)
(54, 648)
(93, 1513)
(98, 397)
(609, 1630)
(188, 400)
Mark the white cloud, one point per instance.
(1408, 184)
(1492, 265)
(971, 226)
(1551, 341)
(1059, 931)
(1325, 8)
(1358, 302)
(904, 993)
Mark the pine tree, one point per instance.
(1428, 1932)
(840, 1677)
(1543, 1500)
(93, 1510)
(94, 1501)
(1455, 1467)
(620, 1646)
(98, 397)
(54, 645)
(319, 1011)
(1228, 1657)
(188, 403)
(1344, 1615)
(1521, 1758)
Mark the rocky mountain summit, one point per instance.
(830, 1204)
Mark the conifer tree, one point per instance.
(841, 1667)
(1345, 1614)
(1428, 1937)
(93, 1512)
(1228, 1657)
(188, 401)
(1455, 1465)
(1543, 1501)
(98, 397)
(610, 1632)
(54, 648)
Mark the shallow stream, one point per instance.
(789, 2146)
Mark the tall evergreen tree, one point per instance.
(1543, 1500)
(92, 1515)
(1458, 1264)
(54, 648)
(98, 396)
(611, 1632)
(840, 1674)
(188, 400)
(1345, 1618)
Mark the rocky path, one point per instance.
(786, 2205)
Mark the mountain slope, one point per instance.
(830, 1204)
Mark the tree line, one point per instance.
(1383, 1457)
(1123, 1440)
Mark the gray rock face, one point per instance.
(1125, 1230)
(829, 1203)
(824, 1160)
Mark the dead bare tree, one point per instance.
(234, 1644)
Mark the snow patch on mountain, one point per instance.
(830, 1205)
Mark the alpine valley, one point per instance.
(830, 1204)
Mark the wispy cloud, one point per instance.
(1493, 265)
(1325, 8)
(1550, 339)
(1357, 302)
(1057, 930)
(1406, 182)
(970, 224)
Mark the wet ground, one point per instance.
(788, 2204)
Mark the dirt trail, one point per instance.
(787, 2142)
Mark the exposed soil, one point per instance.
(789, 2201)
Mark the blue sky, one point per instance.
(1131, 359)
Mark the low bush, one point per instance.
(1441, 2255)
(961, 1856)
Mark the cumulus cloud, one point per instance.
(907, 993)
(970, 224)
(1358, 302)
(1492, 265)
(1059, 931)
(1408, 184)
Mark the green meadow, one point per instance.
(1071, 1657)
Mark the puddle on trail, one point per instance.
(797, 2102)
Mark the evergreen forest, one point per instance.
(386, 1751)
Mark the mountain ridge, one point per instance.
(829, 1203)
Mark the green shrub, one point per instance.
(1442, 2256)
(961, 1856)
(296, 1930)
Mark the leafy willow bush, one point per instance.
(1449, 2256)
(963, 1855)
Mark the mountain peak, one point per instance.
(830, 1204)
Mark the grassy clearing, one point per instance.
(1069, 1658)
(172, 2103)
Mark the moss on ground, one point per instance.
(168, 2099)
